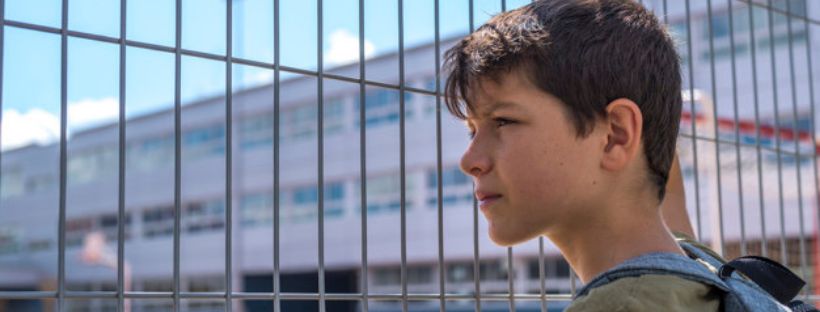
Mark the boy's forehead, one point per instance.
(502, 93)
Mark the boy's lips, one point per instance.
(486, 198)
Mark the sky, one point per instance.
(32, 59)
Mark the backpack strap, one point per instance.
(773, 277)
(657, 264)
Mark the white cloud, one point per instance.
(37, 126)
(88, 113)
(34, 127)
(344, 48)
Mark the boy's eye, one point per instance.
(500, 122)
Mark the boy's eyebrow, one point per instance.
(494, 107)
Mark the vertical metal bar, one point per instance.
(229, 157)
(763, 247)
(2, 34)
(121, 174)
(402, 173)
(813, 125)
(476, 255)
(276, 226)
(511, 275)
(572, 286)
(439, 189)
(737, 130)
(665, 13)
(541, 276)
(363, 159)
(511, 278)
(177, 150)
(692, 110)
(63, 157)
(783, 254)
(796, 131)
(715, 125)
(321, 154)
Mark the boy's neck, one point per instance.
(610, 238)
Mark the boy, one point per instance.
(573, 108)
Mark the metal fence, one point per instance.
(742, 161)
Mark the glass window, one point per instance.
(493, 271)
(108, 225)
(150, 153)
(39, 183)
(720, 26)
(256, 131)
(305, 201)
(388, 276)
(76, 230)
(460, 272)
(457, 188)
(11, 182)
(419, 274)
(206, 216)
(10, 237)
(88, 166)
(257, 209)
(158, 221)
(203, 142)
(206, 283)
(384, 193)
(382, 107)
(554, 268)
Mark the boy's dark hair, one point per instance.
(587, 53)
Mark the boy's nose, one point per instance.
(475, 161)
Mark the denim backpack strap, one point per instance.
(737, 294)
(657, 264)
(773, 277)
(745, 295)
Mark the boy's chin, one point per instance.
(507, 237)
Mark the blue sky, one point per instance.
(31, 59)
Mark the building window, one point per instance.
(150, 153)
(11, 183)
(76, 230)
(460, 273)
(158, 222)
(493, 271)
(87, 166)
(554, 268)
(256, 131)
(39, 183)
(257, 209)
(416, 275)
(10, 236)
(207, 216)
(109, 226)
(203, 142)
(457, 188)
(305, 201)
(382, 107)
(384, 193)
(300, 123)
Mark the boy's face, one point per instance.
(533, 175)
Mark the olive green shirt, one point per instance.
(649, 293)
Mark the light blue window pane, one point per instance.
(203, 25)
(41, 12)
(94, 16)
(151, 21)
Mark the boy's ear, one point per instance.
(624, 125)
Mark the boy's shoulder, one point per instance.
(652, 292)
